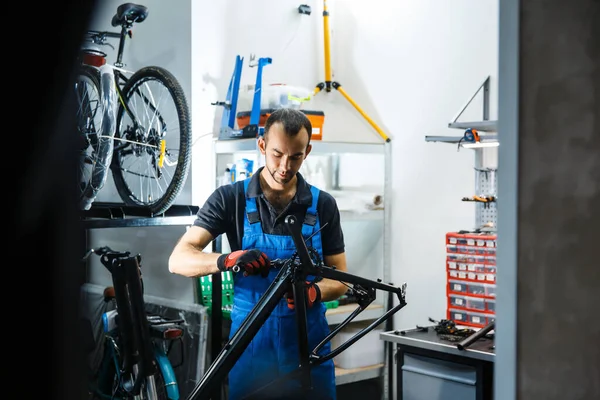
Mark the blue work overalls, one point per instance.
(274, 350)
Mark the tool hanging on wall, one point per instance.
(471, 135)
(481, 199)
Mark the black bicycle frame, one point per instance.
(295, 273)
(134, 330)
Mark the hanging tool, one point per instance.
(471, 135)
(481, 199)
(485, 199)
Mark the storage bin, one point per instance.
(451, 248)
(476, 288)
(476, 277)
(478, 268)
(457, 300)
(368, 350)
(476, 319)
(490, 289)
(457, 286)
(474, 303)
(458, 316)
(490, 305)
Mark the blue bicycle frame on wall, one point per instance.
(252, 130)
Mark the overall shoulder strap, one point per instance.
(312, 224)
(311, 219)
(252, 220)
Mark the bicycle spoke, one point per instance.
(153, 119)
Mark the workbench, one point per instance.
(428, 367)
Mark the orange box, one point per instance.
(317, 119)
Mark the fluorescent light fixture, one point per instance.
(479, 145)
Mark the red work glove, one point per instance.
(252, 262)
(313, 295)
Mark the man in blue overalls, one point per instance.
(251, 213)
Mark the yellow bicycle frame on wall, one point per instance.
(328, 84)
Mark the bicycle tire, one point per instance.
(159, 133)
(107, 382)
(96, 109)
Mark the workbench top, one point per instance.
(482, 349)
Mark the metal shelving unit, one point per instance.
(344, 376)
(319, 147)
(456, 139)
(482, 126)
(117, 215)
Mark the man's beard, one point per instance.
(281, 181)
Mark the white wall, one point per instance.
(410, 66)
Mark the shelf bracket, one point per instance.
(485, 88)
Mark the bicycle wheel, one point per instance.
(153, 141)
(107, 383)
(96, 107)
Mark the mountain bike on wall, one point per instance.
(138, 124)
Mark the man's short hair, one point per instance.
(292, 120)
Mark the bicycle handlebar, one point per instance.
(108, 255)
(281, 262)
(100, 37)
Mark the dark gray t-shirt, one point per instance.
(224, 211)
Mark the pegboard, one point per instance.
(486, 183)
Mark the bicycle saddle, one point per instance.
(129, 13)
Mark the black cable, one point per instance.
(459, 142)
